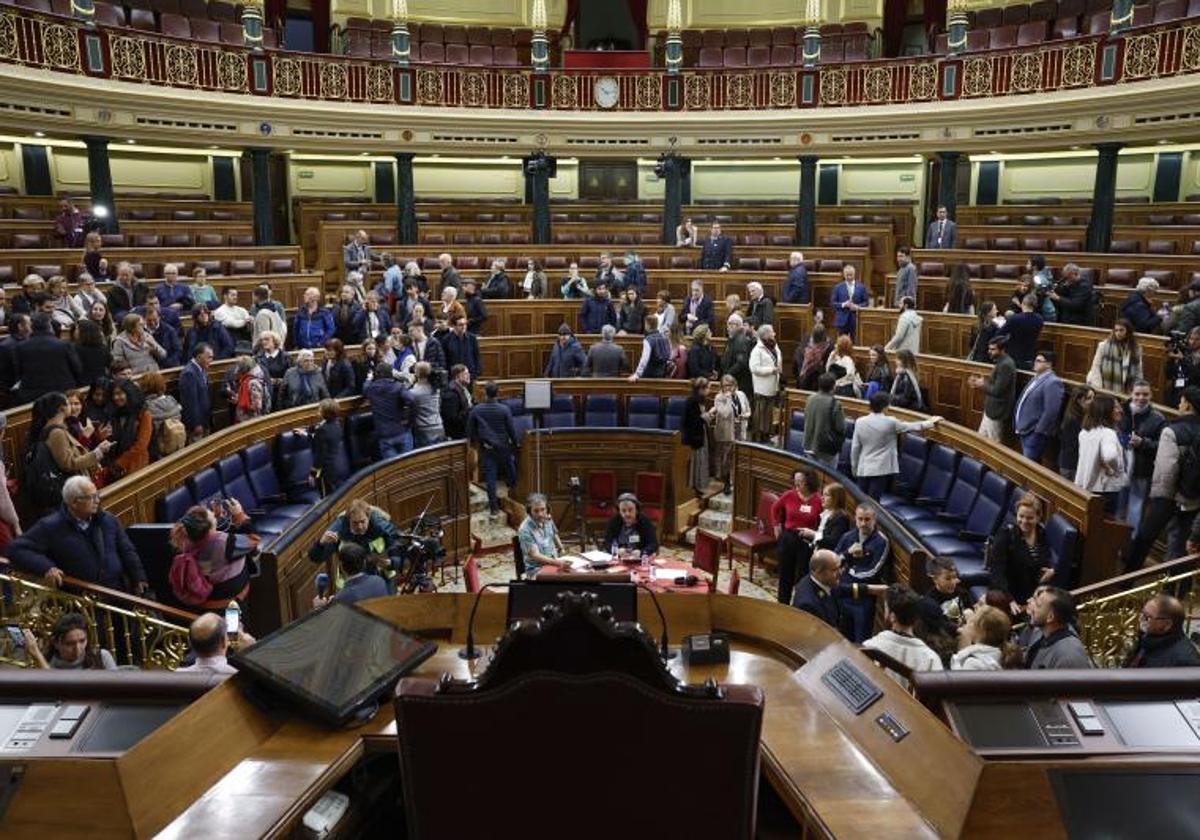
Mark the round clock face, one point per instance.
(606, 92)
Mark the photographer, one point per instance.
(1183, 365)
(1073, 296)
(369, 528)
(358, 582)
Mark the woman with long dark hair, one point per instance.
(982, 332)
(94, 354)
(49, 426)
(694, 433)
(879, 370)
(1068, 432)
(70, 647)
(906, 387)
(133, 428)
(1101, 467)
(960, 299)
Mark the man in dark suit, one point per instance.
(43, 363)
(716, 250)
(460, 347)
(1073, 297)
(1000, 389)
(457, 402)
(490, 426)
(821, 594)
(941, 231)
(450, 276)
(796, 290)
(848, 297)
(193, 392)
(1037, 412)
(697, 309)
(606, 357)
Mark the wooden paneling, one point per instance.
(44, 227)
(69, 260)
(1079, 213)
(163, 208)
(1183, 237)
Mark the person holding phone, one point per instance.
(209, 638)
(69, 647)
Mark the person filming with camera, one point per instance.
(1183, 364)
(369, 528)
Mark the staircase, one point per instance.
(717, 517)
(491, 529)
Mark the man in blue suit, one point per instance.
(697, 309)
(194, 397)
(796, 290)
(941, 231)
(716, 251)
(848, 297)
(1039, 406)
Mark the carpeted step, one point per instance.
(717, 521)
(492, 530)
(722, 502)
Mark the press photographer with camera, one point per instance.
(1073, 296)
(1183, 363)
(369, 528)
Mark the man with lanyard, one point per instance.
(848, 297)
(1038, 409)
(369, 528)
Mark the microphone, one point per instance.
(469, 651)
(664, 651)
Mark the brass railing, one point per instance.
(1109, 611)
(138, 633)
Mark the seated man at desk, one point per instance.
(540, 545)
(629, 530)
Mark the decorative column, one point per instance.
(539, 169)
(406, 200)
(1104, 195)
(956, 26)
(806, 215)
(948, 182)
(401, 44)
(674, 51)
(539, 46)
(252, 24)
(671, 168)
(811, 47)
(260, 185)
(84, 10)
(104, 208)
(1122, 16)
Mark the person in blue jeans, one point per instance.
(490, 427)
(392, 407)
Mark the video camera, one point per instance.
(1177, 342)
(576, 489)
(539, 163)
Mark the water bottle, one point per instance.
(613, 551)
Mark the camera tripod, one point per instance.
(575, 505)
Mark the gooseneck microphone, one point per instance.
(664, 650)
(469, 651)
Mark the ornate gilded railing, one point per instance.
(63, 45)
(137, 632)
(1108, 611)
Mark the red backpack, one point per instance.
(187, 581)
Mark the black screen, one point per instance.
(117, 728)
(333, 660)
(1128, 804)
(994, 726)
(1151, 725)
(526, 598)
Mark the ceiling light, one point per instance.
(39, 134)
(131, 141)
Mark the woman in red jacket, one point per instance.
(796, 514)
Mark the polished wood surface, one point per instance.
(129, 229)
(163, 207)
(1031, 237)
(1079, 213)
(24, 260)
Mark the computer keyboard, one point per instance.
(851, 686)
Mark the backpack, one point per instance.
(187, 582)
(172, 436)
(1189, 459)
(43, 479)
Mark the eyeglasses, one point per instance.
(1149, 617)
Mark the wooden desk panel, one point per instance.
(1079, 212)
(69, 260)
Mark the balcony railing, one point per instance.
(63, 45)
(138, 633)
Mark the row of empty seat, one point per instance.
(602, 411)
(136, 215)
(1035, 220)
(1041, 243)
(137, 240)
(1115, 276)
(852, 49)
(214, 268)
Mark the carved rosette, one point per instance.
(1026, 73)
(649, 93)
(128, 59)
(783, 90)
(977, 77)
(60, 46)
(1141, 57)
(739, 90)
(877, 84)
(333, 80)
(1079, 65)
(516, 90)
(1189, 55)
(287, 76)
(833, 87)
(430, 87)
(8, 36)
(922, 82)
(181, 65)
(474, 89)
(379, 83)
(697, 92)
(231, 72)
(564, 94)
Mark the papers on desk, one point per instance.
(575, 561)
(667, 574)
(597, 556)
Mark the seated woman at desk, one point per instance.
(540, 545)
(69, 648)
(630, 530)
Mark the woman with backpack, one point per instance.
(133, 428)
(249, 390)
(52, 454)
(210, 567)
(170, 435)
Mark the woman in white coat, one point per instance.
(1101, 467)
(873, 449)
(766, 368)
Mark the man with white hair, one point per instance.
(497, 286)
(762, 308)
(796, 290)
(356, 255)
(313, 324)
(766, 368)
(697, 309)
(736, 360)
(354, 279)
(1139, 307)
(450, 276)
(171, 293)
(81, 541)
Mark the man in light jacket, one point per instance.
(908, 328)
(873, 456)
(766, 367)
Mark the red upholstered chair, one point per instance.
(978, 39)
(601, 495)
(1099, 23)
(175, 26)
(1124, 246)
(502, 37)
(1122, 276)
(455, 35)
(734, 57)
(205, 31)
(1033, 32)
(1066, 27)
(1167, 10)
(432, 53)
(651, 490)
(711, 57)
(505, 57)
(713, 38)
(457, 54)
(760, 37)
(1160, 246)
(1043, 10)
(681, 261)
(471, 575)
(222, 11)
(1193, 9)
(786, 35)
(1143, 15)
(1003, 37)
(987, 18)
(1006, 243)
(735, 583)
(281, 266)
(749, 263)
(707, 553)
(758, 57)
(35, 5)
(109, 15)
(760, 538)
(1165, 277)
(1015, 15)
(783, 55)
(833, 52)
(1069, 245)
(1035, 243)
(855, 48)
(1071, 8)
(481, 55)
(232, 34)
(431, 33)
(479, 35)
(737, 37)
(28, 240)
(468, 263)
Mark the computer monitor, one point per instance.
(526, 598)
(1128, 804)
(333, 662)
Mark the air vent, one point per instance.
(1023, 129)
(605, 141)
(874, 138)
(1165, 118)
(337, 135)
(739, 141)
(193, 125)
(473, 138)
(34, 109)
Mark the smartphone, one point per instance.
(233, 621)
(15, 635)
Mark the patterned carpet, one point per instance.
(497, 567)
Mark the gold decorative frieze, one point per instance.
(877, 84)
(60, 45)
(379, 83)
(1141, 56)
(649, 93)
(8, 37)
(1026, 73)
(128, 57)
(1189, 55)
(474, 89)
(922, 82)
(1079, 65)
(181, 65)
(833, 87)
(287, 76)
(231, 72)
(564, 93)
(516, 90)
(333, 81)
(429, 87)
(697, 92)
(977, 77)
(739, 90)
(783, 90)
